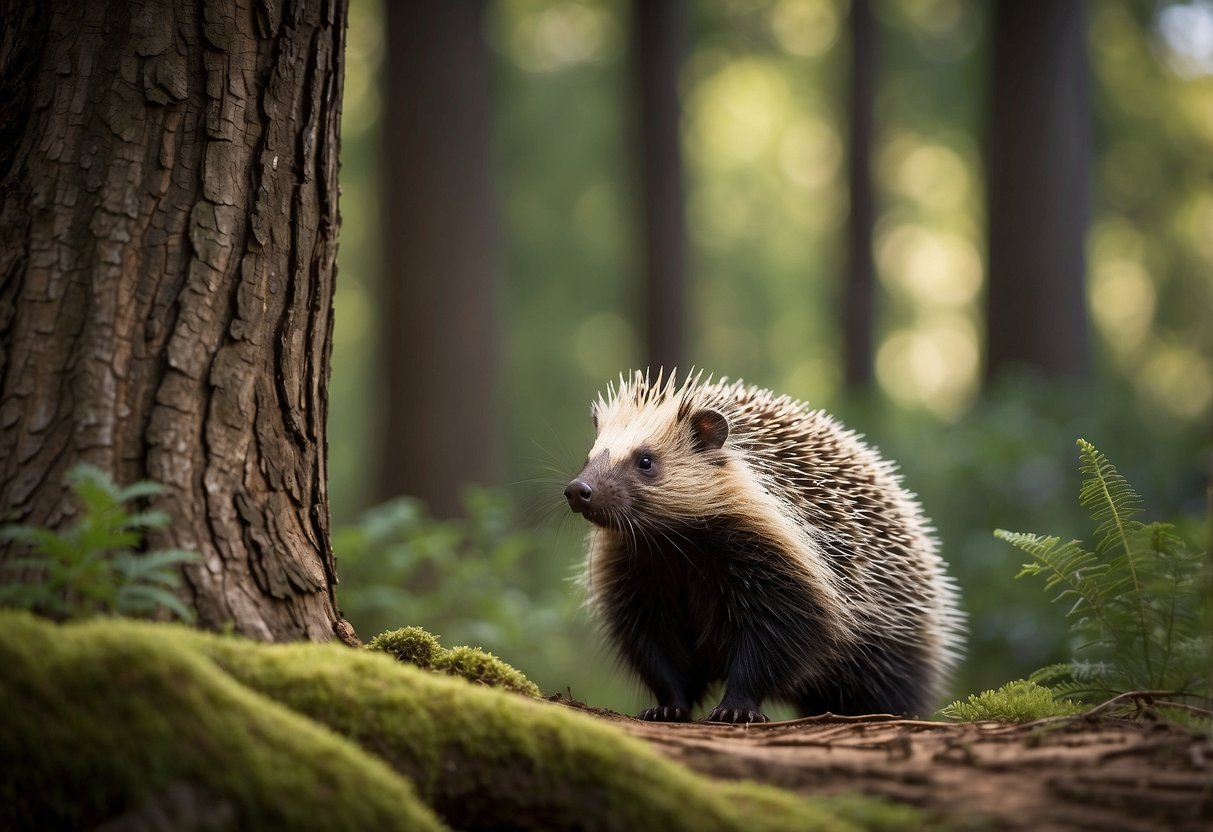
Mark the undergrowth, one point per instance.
(94, 566)
(1018, 701)
(1138, 604)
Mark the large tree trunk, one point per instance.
(658, 32)
(168, 220)
(441, 292)
(1038, 188)
(859, 295)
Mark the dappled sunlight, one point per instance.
(933, 366)
(928, 257)
(1178, 381)
(361, 105)
(932, 175)
(819, 379)
(359, 321)
(934, 268)
(1122, 299)
(1196, 224)
(943, 30)
(806, 28)
(723, 212)
(737, 114)
(551, 37)
(810, 153)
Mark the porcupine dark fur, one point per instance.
(742, 536)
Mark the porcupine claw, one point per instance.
(736, 716)
(665, 713)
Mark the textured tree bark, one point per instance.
(168, 220)
(1038, 198)
(658, 31)
(441, 293)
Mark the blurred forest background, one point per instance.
(973, 230)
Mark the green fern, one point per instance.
(1136, 598)
(1018, 701)
(93, 566)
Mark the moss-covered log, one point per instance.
(113, 718)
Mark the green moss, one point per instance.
(99, 718)
(875, 814)
(485, 669)
(1018, 701)
(485, 759)
(112, 719)
(412, 645)
(415, 646)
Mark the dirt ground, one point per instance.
(1093, 772)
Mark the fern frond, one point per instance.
(1108, 497)
(1113, 505)
(1075, 574)
(1139, 597)
(93, 565)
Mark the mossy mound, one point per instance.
(117, 721)
(120, 719)
(415, 646)
(411, 645)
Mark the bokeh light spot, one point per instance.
(806, 28)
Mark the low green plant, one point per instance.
(462, 577)
(1019, 701)
(1138, 596)
(93, 566)
(415, 646)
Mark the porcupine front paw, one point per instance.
(665, 713)
(737, 716)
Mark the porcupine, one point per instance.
(743, 536)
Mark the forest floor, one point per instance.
(1085, 772)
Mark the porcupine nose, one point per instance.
(579, 494)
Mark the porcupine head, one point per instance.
(701, 568)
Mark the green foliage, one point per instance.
(1007, 466)
(484, 580)
(1137, 598)
(93, 565)
(415, 646)
(460, 577)
(1018, 701)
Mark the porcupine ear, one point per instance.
(709, 429)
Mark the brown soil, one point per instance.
(1093, 772)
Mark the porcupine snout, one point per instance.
(595, 492)
(580, 495)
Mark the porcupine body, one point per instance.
(742, 536)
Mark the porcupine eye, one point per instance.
(644, 461)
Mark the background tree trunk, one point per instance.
(860, 287)
(168, 221)
(1039, 179)
(658, 31)
(439, 320)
